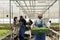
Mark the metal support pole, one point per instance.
(59, 17)
(3, 15)
(19, 11)
(10, 10)
(59, 13)
(32, 5)
(48, 15)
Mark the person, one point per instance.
(49, 24)
(40, 22)
(30, 21)
(15, 28)
(15, 23)
(22, 22)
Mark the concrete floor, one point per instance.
(28, 32)
(47, 38)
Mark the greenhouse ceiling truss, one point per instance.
(32, 5)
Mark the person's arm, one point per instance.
(25, 21)
(48, 25)
(31, 22)
(14, 23)
(32, 26)
(17, 24)
(45, 23)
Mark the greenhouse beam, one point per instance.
(20, 6)
(51, 5)
(30, 5)
(31, 0)
(10, 10)
(59, 13)
(37, 5)
(26, 5)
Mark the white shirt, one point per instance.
(48, 25)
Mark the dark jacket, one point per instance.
(23, 21)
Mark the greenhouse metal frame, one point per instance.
(30, 7)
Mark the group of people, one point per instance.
(20, 27)
(40, 22)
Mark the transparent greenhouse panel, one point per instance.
(29, 8)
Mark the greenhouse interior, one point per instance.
(29, 20)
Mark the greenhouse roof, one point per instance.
(28, 6)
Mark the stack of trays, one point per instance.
(37, 30)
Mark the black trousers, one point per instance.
(21, 38)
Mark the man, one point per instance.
(40, 23)
(22, 22)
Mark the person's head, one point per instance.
(21, 17)
(29, 19)
(15, 18)
(40, 15)
(49, 21)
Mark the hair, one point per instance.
(15, 18)
(21, 17)
(50, 21)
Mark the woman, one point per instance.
(15, 22)
(15, 28)
(15, 25)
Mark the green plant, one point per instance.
(37, 30)
(3, 32)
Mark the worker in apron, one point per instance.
(39, 23)
(40, 36)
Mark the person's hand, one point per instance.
(46, 26)
(32, 26)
